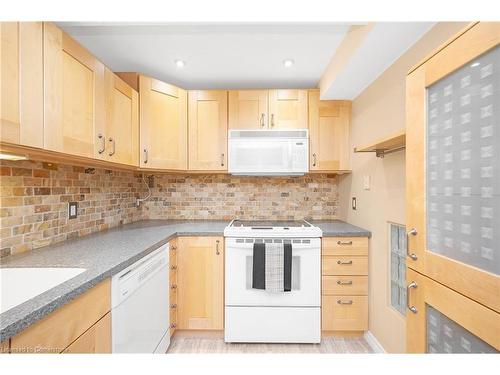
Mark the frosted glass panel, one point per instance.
(463, 164)
(446, 336)
(398, 267)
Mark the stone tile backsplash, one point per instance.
(34, 200)
(226, 197)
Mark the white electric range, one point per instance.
(254, 315)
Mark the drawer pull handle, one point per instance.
(344, 263)
(173, 247)
(348, 282)
(173, 325)
(217, 251)
(412, 285)
(344, 242)
(340, 302)
(173, 286)
(173, 306)
(173, 267)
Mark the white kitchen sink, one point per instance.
(18, 285)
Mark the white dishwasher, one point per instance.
(140, 318)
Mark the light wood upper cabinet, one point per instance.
(118, 138)
(329, 133)
(207, 130)
(288, 109)
(21, 83)
(200, 290)
(163, 125)
(74, 94)
(248, 109)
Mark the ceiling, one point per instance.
(247, 55)
(217, 55)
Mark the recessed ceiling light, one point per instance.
(288, 63)
(473, 65)
(180, 63)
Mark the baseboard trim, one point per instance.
(373, 342)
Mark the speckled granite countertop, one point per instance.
(105, 254)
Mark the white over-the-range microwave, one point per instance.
(268, 152)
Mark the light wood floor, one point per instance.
(214, 343)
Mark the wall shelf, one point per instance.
(385, 146)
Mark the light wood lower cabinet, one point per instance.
(173, 285)
(57, 331)
(344, 284)
(97, 339)
(21, 83)
(200, 283)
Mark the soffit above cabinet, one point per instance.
(216, 55)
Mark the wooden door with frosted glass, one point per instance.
(453, 165)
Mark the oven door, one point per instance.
(306, 275)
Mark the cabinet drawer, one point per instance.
(344, 265)
(344, 313)
(344, 285)
(344, 246)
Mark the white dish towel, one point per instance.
(275, 253)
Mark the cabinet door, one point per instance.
(453, 165)
(21, 83)
(74, 94)
(329, 133)
(97, 339)
(207, 130)
(248, 109)
(200, 275)
(163, 125)
(440, 320)
(288, 109)
(119, 140)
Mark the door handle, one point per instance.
(340, 302)
(412, 285)
(340, 282)
(112, 141)
(342, 262)
(272, 120)
(217, 252)
(314, 159)
(101, 138)
(146, 155)
(222, 160)
(262, 124)
(412, 232)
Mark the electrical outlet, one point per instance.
(353, 203)
(73, 210)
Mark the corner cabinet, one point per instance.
(73, 94)
(452, 190)
(21, 83)
(163, 125)
(207, 130)
(200, 283)
(329, 134)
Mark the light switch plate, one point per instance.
(366, 182)
(73, 210)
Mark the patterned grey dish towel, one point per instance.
(275, 253)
